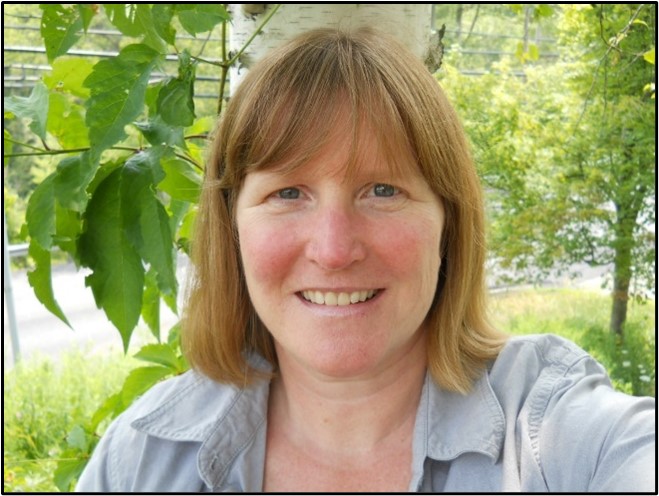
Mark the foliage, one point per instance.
(43, 402)
(567, 152)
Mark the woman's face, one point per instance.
(342, 270)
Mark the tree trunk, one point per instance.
(410, 23)
(622, 267)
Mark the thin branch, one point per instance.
(599, 64)
(254, 34)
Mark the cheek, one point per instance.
(412, 247)
(266, 253)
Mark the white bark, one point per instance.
(409, 23)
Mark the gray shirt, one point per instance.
(544, 417)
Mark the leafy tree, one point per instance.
(122, 196)
(567, 152)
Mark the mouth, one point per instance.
(340, 299)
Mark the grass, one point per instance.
(583, 317)
(44, 400)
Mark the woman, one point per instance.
(336, 323)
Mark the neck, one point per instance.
(349, 417)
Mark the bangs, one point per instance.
(303, 97)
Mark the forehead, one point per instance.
(344, 143)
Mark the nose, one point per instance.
(335, 240)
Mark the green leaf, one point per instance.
(533, 53)
(117, 280)
(181, 181)
(118, 88)
(123, 16)
(151, 304)
(78, 438)
(72, 178)
(67, 472)
(162, 21)
(147, 226)
(68, 75)
(40, 280)
(140, 380)
(111, 407)
(176, 99)
(199, 18)
(158, 132)
(66, 122)
(34, 107)
(40, 213)
(61, 27)
(650, 56)
(135, 20)
(161, 354)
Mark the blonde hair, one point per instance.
(282, 111)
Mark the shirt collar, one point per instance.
(449, 424)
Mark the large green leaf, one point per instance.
(147, 223)
(118, 88)
(200, 17)
(136, 20)
(61, 27)
(40, 213)
(117, 280)
(162, 21)
(34, 107)
(40, 280)
(124, 17)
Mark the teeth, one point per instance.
(338, 299)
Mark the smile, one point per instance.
(331, 298)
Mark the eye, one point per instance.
(288, 194)
(384, 190)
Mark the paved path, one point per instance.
(41, 333)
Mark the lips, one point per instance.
(331, 298)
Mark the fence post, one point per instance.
(9, 293)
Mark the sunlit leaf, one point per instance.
(68, 75)
(141, 379)
(650, 56)
(161, 354)
(181, 181)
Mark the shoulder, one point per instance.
(576, 428)
(171, 420)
